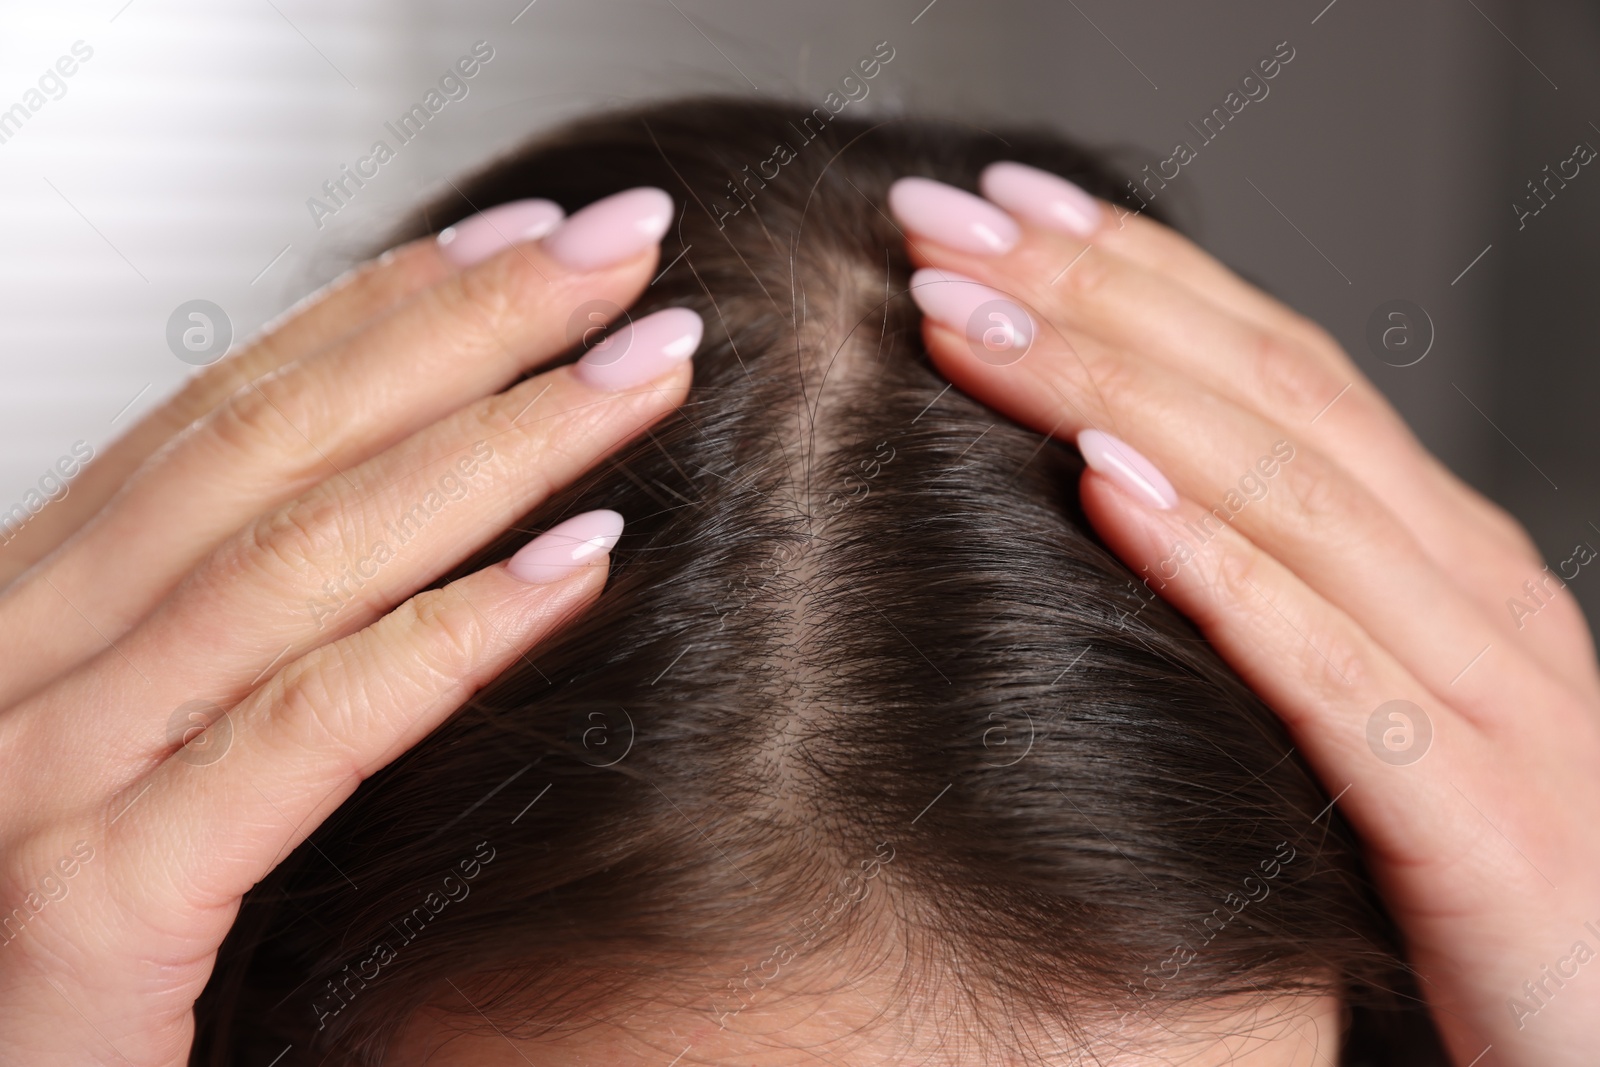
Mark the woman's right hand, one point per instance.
(203, 665)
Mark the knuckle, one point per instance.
(1323, 503)
(443, 635)
(1237, 568)
(317, 714)
(1086, 279)
(507, 414)
(1327, 655)
(510, 425)
(302, 537)
(483, 305)
(211, 389)
(481, 295)
(1333, 658)
(465, 318)
(1109, 377)
(1290, 377)
(544, 430)
(1317, 339)
(250, 421)
(1168, 251)
(394, 269)
(1317, 650)
(335, 699)
(1519, 542)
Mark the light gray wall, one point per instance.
(1384, 159)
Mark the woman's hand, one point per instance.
(216, 655)
(1357, 585)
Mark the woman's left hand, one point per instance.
(1423, 657)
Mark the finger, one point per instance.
(361, 295)
(1282, 494)
(1054, 204)
(319, 416)
(1444, 536)
(952, 229)
(304, 741)
(338, 557)
(337, 309)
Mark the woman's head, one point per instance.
(868, 746)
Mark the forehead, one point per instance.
(853, 1026)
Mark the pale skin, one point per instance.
(1366, 574)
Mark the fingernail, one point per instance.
(953, 216)
(641, 351)
(610, 230)
(1000, 330)
(475, 239)
(1041, 197)
(565, 547)
(1117, 460)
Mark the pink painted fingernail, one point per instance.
(611, 230)
(475, 239)
(1117, 460)
(953, 216)
(641, 351)
(1000, 330)
(565, 547)
(1041, 197)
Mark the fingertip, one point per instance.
(999, 328)
(476, 238)
(612, 229)
(1140, 536)
(642, 351)
(953, 217)
(567, 548)
(1042, 198)
(1128, 468)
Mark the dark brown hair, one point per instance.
(861, 664)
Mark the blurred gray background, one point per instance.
(1384, 164)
